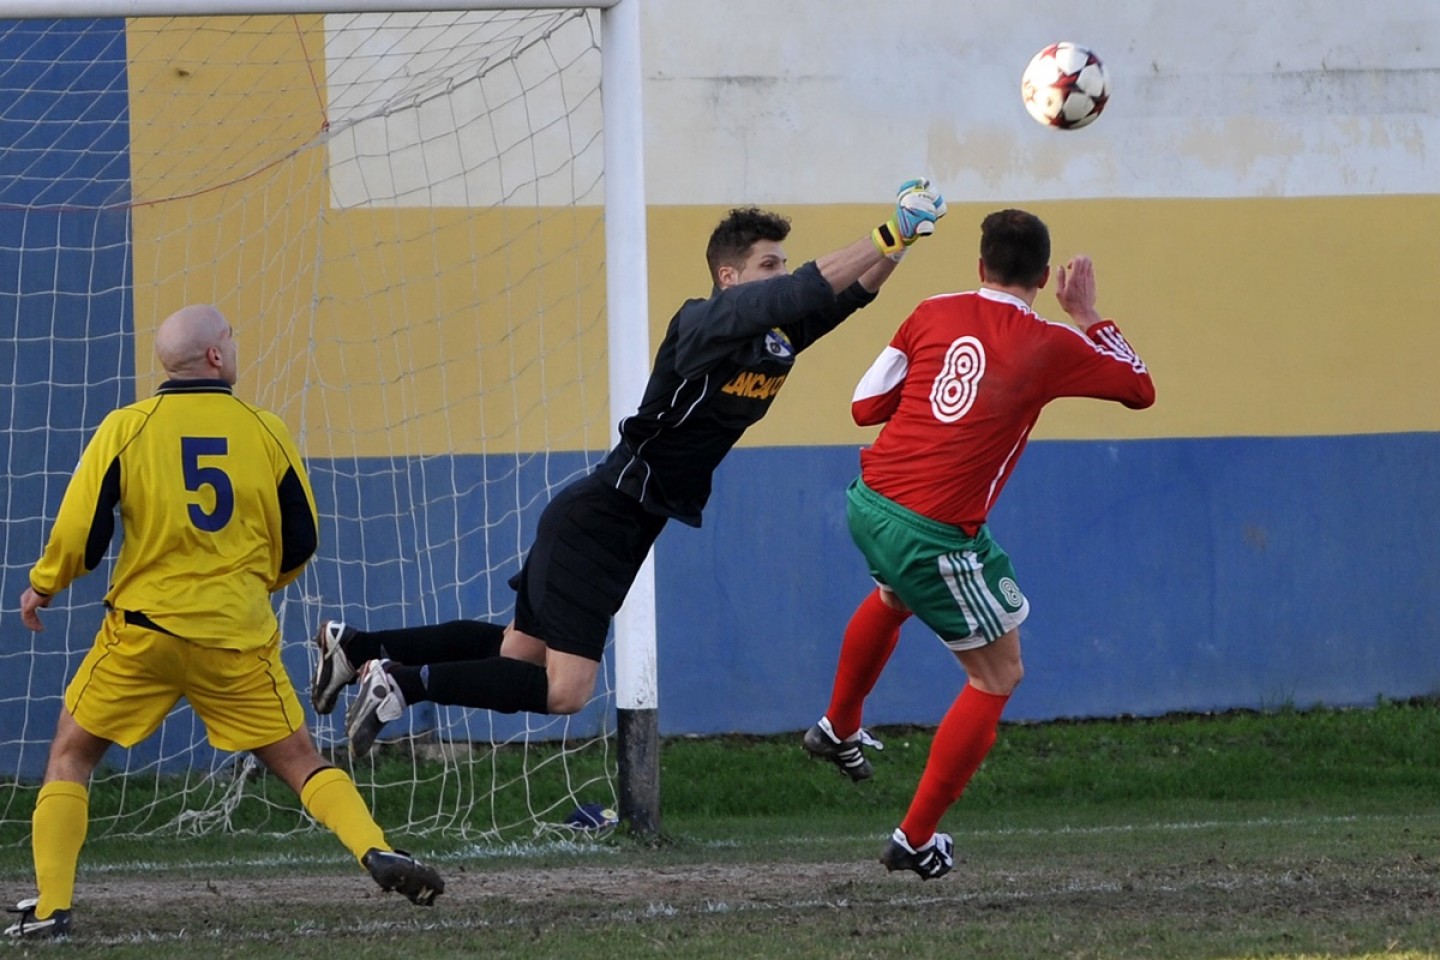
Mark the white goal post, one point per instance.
(401, 396)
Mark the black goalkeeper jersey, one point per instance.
(717, 371)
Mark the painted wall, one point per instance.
(1259, 198)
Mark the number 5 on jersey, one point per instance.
(197, 477)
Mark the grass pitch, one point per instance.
(1286, 835)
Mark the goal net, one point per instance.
(402, 215)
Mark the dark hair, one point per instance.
(1015, 248)
(732, 238)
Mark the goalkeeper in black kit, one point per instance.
(717, 371)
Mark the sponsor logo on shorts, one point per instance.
(1011, 592)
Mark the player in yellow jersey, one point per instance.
(218, 514)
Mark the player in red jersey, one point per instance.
(959, 389)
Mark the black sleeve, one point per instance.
(102, 526)
(822, 321)
(298, 536)
(707, 329)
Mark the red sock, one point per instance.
(870, 638)
(964, 738)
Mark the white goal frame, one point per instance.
(627, 300)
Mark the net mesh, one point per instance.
(401, 215)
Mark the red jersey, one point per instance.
(960, 387)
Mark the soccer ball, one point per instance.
(1065, 86)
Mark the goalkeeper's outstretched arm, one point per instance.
(871, 259)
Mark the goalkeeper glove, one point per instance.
(917, 206)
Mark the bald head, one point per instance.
(195, 343)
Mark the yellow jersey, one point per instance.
(216, 508)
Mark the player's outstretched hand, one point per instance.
(31, 601)
(917, 206)
(1075, 289)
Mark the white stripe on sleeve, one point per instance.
(885, 374)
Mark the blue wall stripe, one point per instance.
(1164, 575)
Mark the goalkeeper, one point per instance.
(717, 371)
(218, 514)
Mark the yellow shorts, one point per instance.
(134, 676)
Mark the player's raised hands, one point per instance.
(1075, 289)
(917, 206)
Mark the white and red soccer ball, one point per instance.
(1065, 86)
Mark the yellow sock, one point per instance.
(331, 798)
(62, 814)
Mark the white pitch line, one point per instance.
(508, 851)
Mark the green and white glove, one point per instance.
(917, 206)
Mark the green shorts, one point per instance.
(961, 587)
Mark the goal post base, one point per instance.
(638, 746)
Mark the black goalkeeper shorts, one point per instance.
(589, 545)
